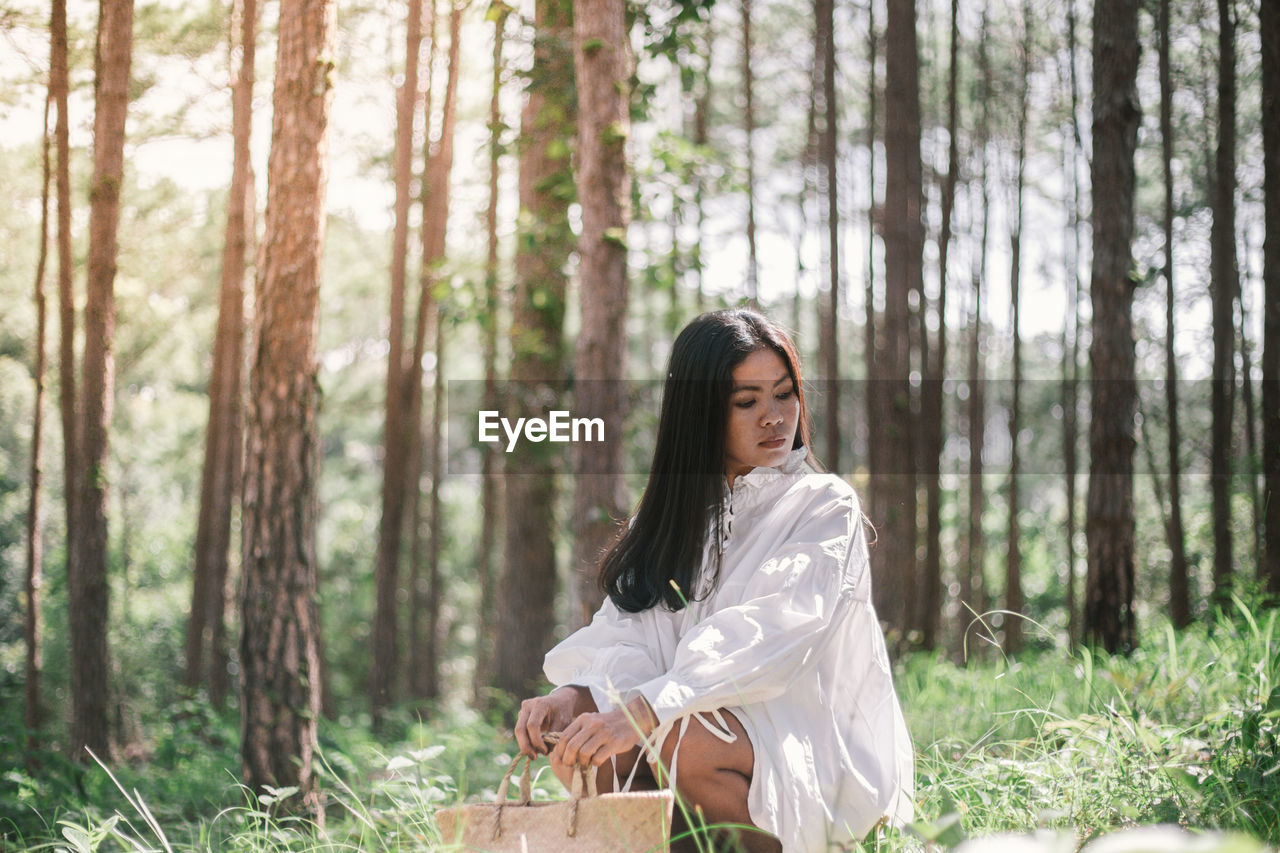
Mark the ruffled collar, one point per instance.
(759, 476)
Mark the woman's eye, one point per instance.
(784, 395)
(745, 404)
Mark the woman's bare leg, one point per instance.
(714, 777)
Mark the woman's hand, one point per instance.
(551, 713)
(594, 738)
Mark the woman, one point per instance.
(738, 600)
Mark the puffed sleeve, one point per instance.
(751, 651)
(614, 653)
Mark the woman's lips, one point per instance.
(773, 443)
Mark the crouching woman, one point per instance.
(737, 656)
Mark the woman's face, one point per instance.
(763, 413)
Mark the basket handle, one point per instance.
(585, 777)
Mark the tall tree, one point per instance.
(396, 439)
(223, 458)
(1013, 573)
(872, 405)
(280, 673)
(526, 591)
(893, 497)
(34, 573)
(1071, 364)
(1224, 283)
(931, 404)
(87, 583)
(1109, 525)
(825, 60)
(749, 125)
(601, 68)
(1179, 600)
(58, 85)
(426, 596)
(1269, 20)
(491, 483)
(412, 390)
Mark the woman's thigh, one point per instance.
(703, 751)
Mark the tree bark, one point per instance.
(425, 680)
(1269, 17)
(88, 587)
(223, 457)
(872, 397)
(526, 591)
(932, 403)
(1071, 367)
(280, 668)
(396, 441)
(491, 483)
(601, 68)
(893, 560)
(34, 568)
(1179, 599)
(825, 50)
(68, 409)
(1013, 575)
(1109, 524)
(749, 126)
(1224, 283)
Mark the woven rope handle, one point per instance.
(584, 778)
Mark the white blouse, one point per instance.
(787, 641)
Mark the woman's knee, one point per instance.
(704, 751)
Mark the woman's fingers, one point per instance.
(529, 726)
(590, 739)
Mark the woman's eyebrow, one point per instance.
(737, 388)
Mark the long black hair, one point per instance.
(658, 557)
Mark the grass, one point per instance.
(1184, 731)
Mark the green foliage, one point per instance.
(1071, 745)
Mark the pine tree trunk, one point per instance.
(491, 483)
(1071, 368)
(973, 583)
(1013, 576)
(1269, 16)
(526, 592)
(601, 67)
(434, 639)
(1109, 524)
(749, 125)
(1179, 598)
(701, 122)
(893, 560)
(872, 404)
(223, 459)
(932, 414)
(1248, 464)
(68, 409)
(1223, 286)
(396, 441)
(411, 391)
(34, 569)
(279, 660)
(824, 13)
(87, 594)
(435, 219)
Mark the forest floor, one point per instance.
(1060, 746)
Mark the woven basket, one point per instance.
(638, 822)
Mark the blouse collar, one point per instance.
(759, 476)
